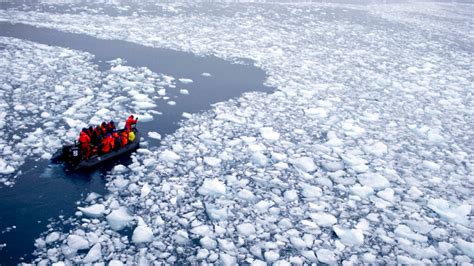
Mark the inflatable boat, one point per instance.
(71, 155)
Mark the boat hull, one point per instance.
(60, 155)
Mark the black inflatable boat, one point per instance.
(71, 155)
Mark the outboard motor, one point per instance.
(75, 154)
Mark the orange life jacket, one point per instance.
(84, 139)
(107, 144)
(124, 138)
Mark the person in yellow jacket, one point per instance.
(131, 136)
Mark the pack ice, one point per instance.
(50, 93)
(363, 154)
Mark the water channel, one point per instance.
(43, 191)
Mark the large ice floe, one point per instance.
(364, 153)
(50, 93)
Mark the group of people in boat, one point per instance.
(105, 138)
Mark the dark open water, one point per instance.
(43, 191)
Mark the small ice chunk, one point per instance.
(212, 161)
(213, 187)
(154, 135)
(246, 194)
(227, 260)
(172, 103)
(181, 237)
(269, 134)
(259, 158)
(378, 149)
(350, 237)
(326, 256)
(119, 169)
(94, 211)
(45, 115)
(94, 254)
(298, 243)
(208, 243)
(184, 91)
(387, 194)
(466, 247)
(186, 115)
(142, 234)
(202, 230)
(246, 229)
(414, 192)
(185, 81)
(431, 166)
(205, 74)
(119, 219)
(144, 105)
(263, 205)
(455, 214)
(271, 256)
(58, 89)
(318, 112)
(362, 191)
(291, 195)
(311, 191)
(5, 169)
(52, 237)
(169, 156)
(404, 231)
(145, 190)
(309, 254)
(115, 263)
(332, 166)
(374, 180)
(305, 164)
(93, 196)
(120, 69)
(324, 219)
(162, 92)
(217, 213)
(77, 242)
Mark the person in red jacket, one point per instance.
(103, 128)
(130, 121)
(85, 141)
(124, 138)
(107, 144)
(111, 127)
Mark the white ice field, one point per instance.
(364, 154)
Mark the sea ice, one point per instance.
(77, 242)
(142, 234)
(213, 187)
(94, 254)
(350, 237)
(185, 81)
(326, 256)
(169, 156)
(452, 213)
(269, 134)
(119, 219)
(304, 163)
(246, 229)
(93, 211)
